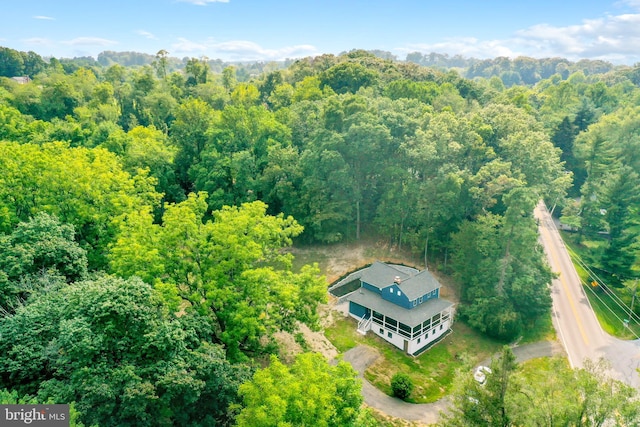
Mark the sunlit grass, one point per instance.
(343, 334)
(432, 372)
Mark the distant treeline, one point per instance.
(519, 71)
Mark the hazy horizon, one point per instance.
(237, 30)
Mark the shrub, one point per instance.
(402, 385)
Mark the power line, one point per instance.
(613, 297)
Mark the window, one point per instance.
(415, 302)
(436, 319)
(404, 330)
(418, 340)
(391, 290)
(441, 327)
(381, 331)
(389, 334)
(391, 323)
(399, 293)
(434, 332)
(420, 300)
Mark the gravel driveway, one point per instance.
(362, 356)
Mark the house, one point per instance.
(401, 305)
(21, 80)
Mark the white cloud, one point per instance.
(603, 38)
(203, 2)
(612, 38)
(146, 34)
(633, 3)
(38, 41)
(46, 18)
(240, 50)
(187, 46)
(465, 46)
(90, 41)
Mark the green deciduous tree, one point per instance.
(229, 79)
(190, 132)
(309, 393)
(83, 187)
(558, 395)
(552, 394)
(484, 404)
(59, 98)
(348, 77)
(198, 71)
(233, 161)
(148, 149)
(11, 63)
(160, 63)
(109, 345)
(230, 269)
(39, 246)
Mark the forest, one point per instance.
(146, 208)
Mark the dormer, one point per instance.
(394, 293)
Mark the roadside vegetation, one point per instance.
(612, 301)
(543, 391)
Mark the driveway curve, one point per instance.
(362, 356)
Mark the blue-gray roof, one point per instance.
(413, 283)
(412, 317)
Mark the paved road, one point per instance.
(362, 356)
(573, 317)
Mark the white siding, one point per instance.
(396, 339)
(429, 336)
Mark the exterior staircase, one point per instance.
(364, 325)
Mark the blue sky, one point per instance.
(274, 30)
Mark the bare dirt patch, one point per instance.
(339, 259)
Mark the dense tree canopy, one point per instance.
(83, 187)
(229, 269)
(308, 393)
(37, 252)
(111, 346)
(550, 395)
(189, 178)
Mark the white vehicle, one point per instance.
(480, 374)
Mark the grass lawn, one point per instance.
(609, 315)
(433, 371)
(607, 311)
